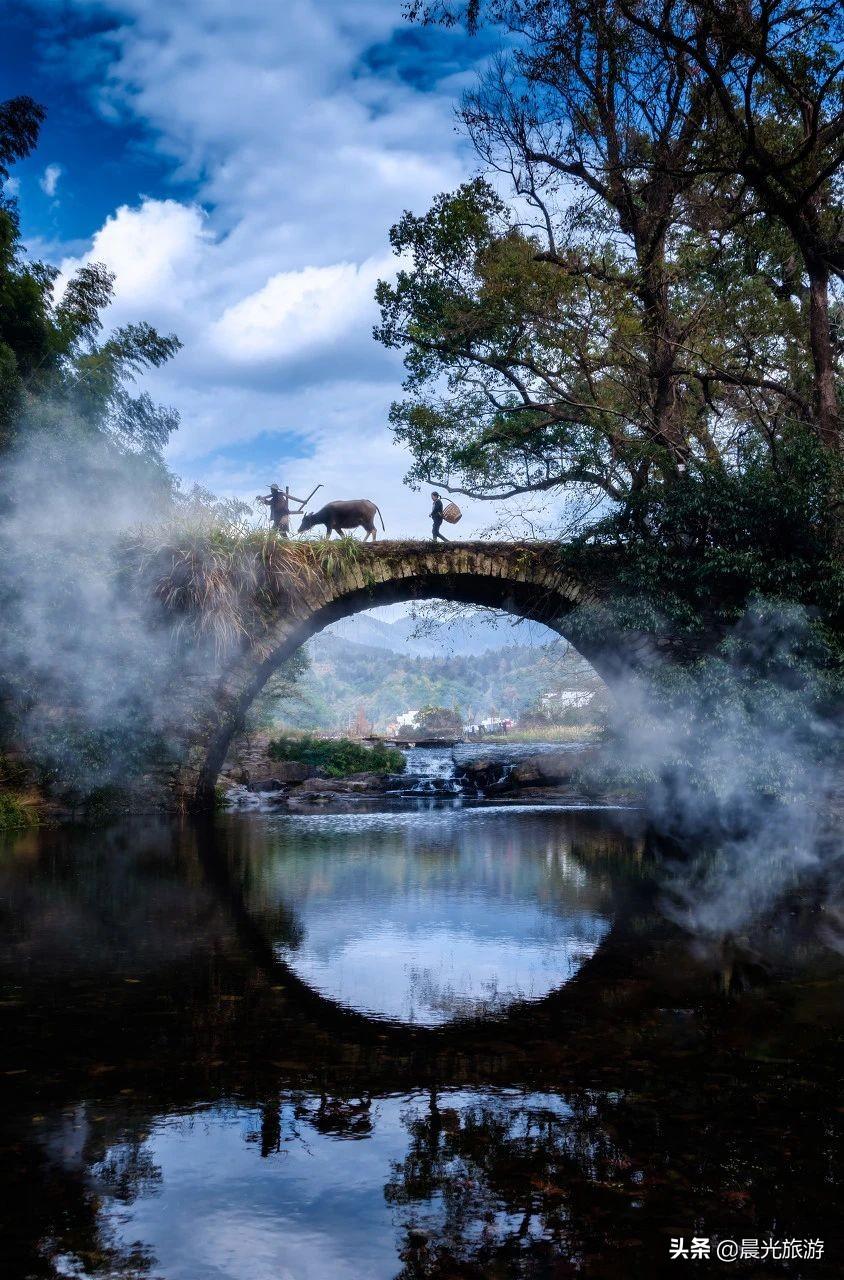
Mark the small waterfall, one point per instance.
(429, 772)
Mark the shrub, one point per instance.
(719, 537)
(338, 757)
(14, 814)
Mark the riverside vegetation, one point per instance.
(338, 757)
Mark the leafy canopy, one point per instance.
(55, 363)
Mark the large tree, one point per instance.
(614, 304)
(774, 68)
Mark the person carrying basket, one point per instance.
(451, 513)
(437, 517)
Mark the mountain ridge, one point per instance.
(476, 634)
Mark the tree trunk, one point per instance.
(668, 427)
(826, 404)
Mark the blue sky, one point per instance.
(104, 162)
(238, 165)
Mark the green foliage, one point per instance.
(702, 546)
(51, 353)
(283, 685)
(478, 315)
(436, 720)
(77, 759)
(334, 557)
(20, 123)
(14, 814)
(548, 713)
(337, 757)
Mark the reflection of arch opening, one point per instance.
(525, 582)
(392, 1038)
(454, 917)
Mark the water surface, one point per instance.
(459, 915)
(434, 1042)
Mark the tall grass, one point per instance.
(14, 813)
(222, 582)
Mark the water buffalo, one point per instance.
(352, 514)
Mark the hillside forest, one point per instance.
(345, 684)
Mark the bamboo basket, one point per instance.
(452, 513)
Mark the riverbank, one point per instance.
(537, 773)
(579, 774)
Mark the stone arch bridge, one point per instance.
(532, 580)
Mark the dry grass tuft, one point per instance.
(220, 584)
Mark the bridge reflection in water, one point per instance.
(461, 916)
(182, 1102)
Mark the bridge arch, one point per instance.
(527, 579)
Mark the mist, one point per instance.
(88, 668)
(738, 757)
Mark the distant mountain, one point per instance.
(477, 634)
(346, 678)
(376, 633)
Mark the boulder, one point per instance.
(550, 768)
(355, 783)
(307, 799)
(495, 777)
(483, 773)
(236, 774)
(266, 784)
(368, 781)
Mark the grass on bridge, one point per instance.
(220, 584)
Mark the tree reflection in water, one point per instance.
(163, 1065)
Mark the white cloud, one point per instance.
(49, 180)
(154, 251)
(298, 309)
(301, 156)
(11, 187)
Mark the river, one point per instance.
(441, 1040)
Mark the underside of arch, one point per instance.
(529, 600)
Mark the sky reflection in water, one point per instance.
(318, 1206)
(443, 918)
